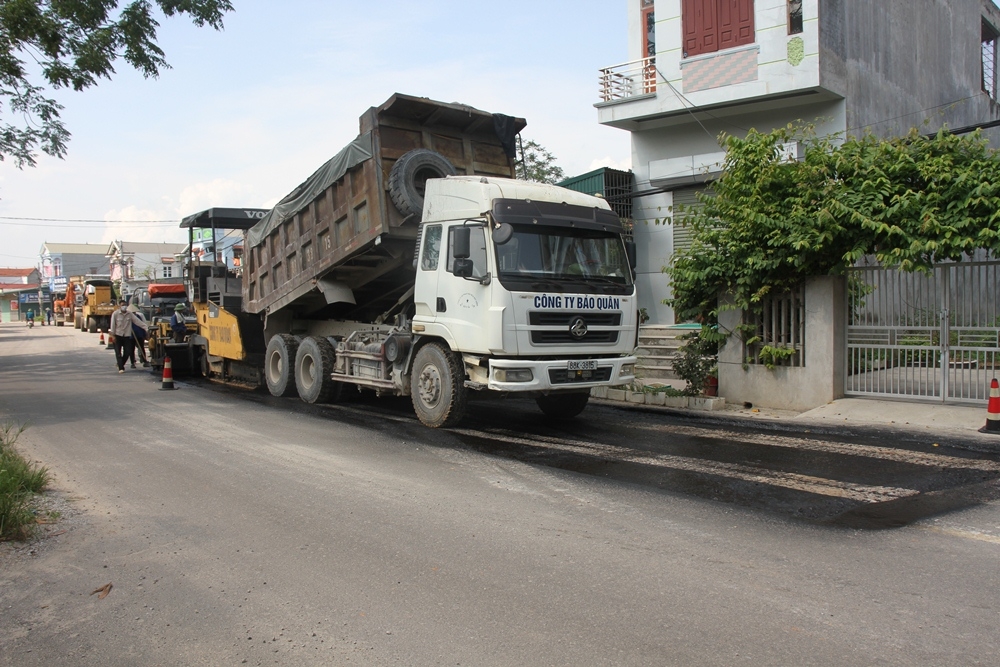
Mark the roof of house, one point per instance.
(150, 248)
(75, 249)
(16, 273)
(8, 288)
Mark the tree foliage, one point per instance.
(52, 44)
(534, 163)
(768, 222)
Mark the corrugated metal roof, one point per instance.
(20, 273)
(75, 249)
(154, 248)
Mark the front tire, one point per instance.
(437, 387)
(279, 364)
(314, 363)
(563, 406)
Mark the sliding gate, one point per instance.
(924, 336)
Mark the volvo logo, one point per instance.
(577, 327)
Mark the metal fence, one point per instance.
(933, 336)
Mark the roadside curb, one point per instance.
(969, 440)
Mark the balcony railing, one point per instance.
(620, 82)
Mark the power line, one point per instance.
(5, 217)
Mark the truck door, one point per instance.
(425, 289)
(463, 296)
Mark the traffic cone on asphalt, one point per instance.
(101, 341)
(993, 410)
(110, 345)
(168, 375)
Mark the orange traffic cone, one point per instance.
(101, 342)
(168, 375)
(993, 410)
(110, 345)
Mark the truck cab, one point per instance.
(530, 283)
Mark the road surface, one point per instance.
(236, 528)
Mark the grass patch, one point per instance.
(19, 481)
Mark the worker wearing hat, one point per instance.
(178, 324)
(140, 331)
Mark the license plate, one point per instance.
(583, 365)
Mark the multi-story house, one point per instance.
(699, 68)
(132, 261)
(73, 259)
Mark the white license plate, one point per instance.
(584, 365)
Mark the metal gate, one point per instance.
(930, 336)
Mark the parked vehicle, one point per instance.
(386, 271)
(94, 302)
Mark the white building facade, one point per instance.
(700, 68)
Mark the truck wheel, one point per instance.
(409, 175)
(279, 364)
(313, 365)
(92, 325)
(563, 406)
(77, 321)
(437, 387)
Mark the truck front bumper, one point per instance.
(521, 375)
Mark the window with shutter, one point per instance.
(713, 25)
(688, 198)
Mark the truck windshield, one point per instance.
(564, 259)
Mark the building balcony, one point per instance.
(628, 80)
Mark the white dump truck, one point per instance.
(411, 264)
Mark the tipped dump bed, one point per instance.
(338, 245)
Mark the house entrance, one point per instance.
(928, 336)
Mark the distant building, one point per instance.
(20, 291)
(131, 261)
(73, 259)
(19, 276)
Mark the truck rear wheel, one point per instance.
(279, 364)
(78, 321)
(408, 178)
(92, 325)
(563, 406)
(313, 365)
(437, 387)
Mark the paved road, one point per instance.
(241, 529)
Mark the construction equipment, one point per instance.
(386, 271)
(93, 302)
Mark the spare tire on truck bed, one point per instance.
(409, 175)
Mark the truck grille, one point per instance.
(554, 337)
(546, 318)
(563, 376)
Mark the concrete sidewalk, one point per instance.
(956, 424)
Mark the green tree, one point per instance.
(52, 44)
(771, 222)
(534, 163)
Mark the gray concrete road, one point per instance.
(240, 529)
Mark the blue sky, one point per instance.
(246, 114)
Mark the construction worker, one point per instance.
(178, 324)
(140, 331)
(121, 336)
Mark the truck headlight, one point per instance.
(513, 375)
(628, 369)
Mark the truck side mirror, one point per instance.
(462, 267)
(503, 233)
(461, 244)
